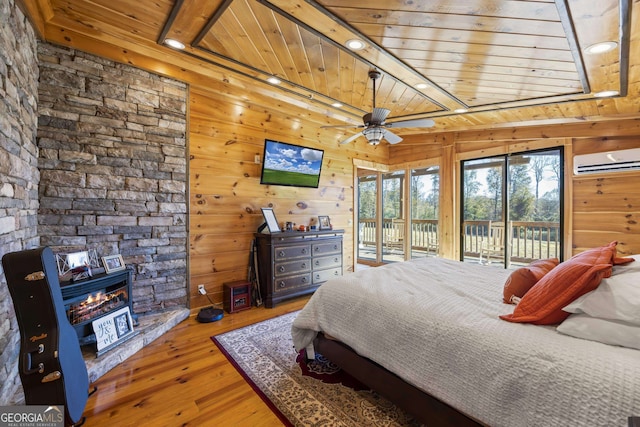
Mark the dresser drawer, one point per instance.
(291, 267)
(324, 275)
(289, 283)
(288, 252)
(325, 248)
(327, 261)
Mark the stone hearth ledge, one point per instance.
(149, 328)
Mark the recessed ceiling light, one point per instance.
(460, 110)
(274, 80)
(421, 86)
(600, 47)
(174, 43)
(355, 44)
(606, 93)
(337, 104)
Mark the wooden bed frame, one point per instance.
(424, 407)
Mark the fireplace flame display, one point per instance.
(96, 305)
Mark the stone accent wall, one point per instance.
(18, 173)
(112, 142)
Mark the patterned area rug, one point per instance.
(301, 394)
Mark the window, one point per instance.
(391, 226)
(367, 214)
(425, 211)
(393, 218)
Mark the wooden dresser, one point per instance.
(295, 263)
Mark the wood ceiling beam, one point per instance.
(593, 127)
(311, 15)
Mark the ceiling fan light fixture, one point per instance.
(176, 44)
(274, 80)
(421, 86)
(373, 135)
(336, 105)
(355, 44)
(460, 110)
(602, 47)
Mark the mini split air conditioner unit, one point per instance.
(608, 161)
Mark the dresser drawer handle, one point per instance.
(281, 269)
(304, 280)
(336, 260)
(304, 265)
(281, 253)
(335, 273)
(281, 284)
(335, 247)
(317, 276)
(304, 250)
(317, 263)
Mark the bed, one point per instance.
(427, 334)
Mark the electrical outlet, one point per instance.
(202, 290)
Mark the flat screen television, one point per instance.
(288, 164)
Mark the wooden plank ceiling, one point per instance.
(501, 61)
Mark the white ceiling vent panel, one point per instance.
(608, 161)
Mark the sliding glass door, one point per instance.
(512, 208)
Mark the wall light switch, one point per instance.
(256, 159)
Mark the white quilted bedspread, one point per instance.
(434, 322)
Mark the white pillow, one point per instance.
(601, 330)
(628, 267)
(617, 298)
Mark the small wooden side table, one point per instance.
(237, 296)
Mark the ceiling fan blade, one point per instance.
(341, 126)
(378, 115)
(391, 137)
(415, 123)
(351, 138)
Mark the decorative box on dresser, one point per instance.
(295, 263)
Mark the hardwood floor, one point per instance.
(182, 379)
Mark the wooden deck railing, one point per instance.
(528, 241)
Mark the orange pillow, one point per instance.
(523, 279)
(543, 304)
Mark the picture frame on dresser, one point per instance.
(324, 222)
(270, 219)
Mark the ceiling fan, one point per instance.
(375, 127)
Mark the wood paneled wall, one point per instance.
(226, 133)
(599, 208)
(606, 207)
